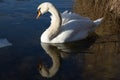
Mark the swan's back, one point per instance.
(67, 16)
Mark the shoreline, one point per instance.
(104, 61)
(94, 10)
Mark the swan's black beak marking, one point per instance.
(38, 14)
(40, 66)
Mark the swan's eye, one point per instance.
(38, 10)
(38, 14)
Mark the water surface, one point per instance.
(19, 26)
(89, 59)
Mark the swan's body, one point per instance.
(65, 27)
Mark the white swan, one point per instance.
(65, 27)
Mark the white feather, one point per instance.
(67, 26)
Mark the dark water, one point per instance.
(82, 60)
(19, 26)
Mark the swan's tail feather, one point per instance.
(98, 21)
(65, 12)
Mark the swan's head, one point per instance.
(43, 8)
(43, 70)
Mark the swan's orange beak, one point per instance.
(38, 14)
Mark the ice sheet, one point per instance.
(4, 43)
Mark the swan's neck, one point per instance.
(55, 66)
(51, 51)
(55, 25)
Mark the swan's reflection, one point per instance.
(54, 54)
(58, 51)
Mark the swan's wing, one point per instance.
(67, 16)
(74, 30)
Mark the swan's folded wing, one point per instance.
(67, 16)
(4, 43)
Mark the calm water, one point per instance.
(28, 59)
(19, 26)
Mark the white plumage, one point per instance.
(67, 26)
